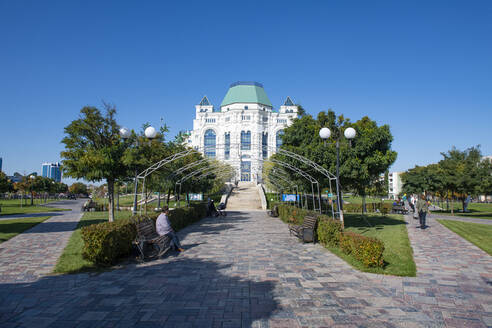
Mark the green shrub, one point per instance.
(329, 232)
(370, 207)
(369, 251)
(105, 242)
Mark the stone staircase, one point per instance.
(244, 197)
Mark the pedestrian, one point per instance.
(423, 209)
(163, 227)
(412, 203)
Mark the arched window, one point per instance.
(245, 140)
(279, 135)
(264, 144)
(209, 143)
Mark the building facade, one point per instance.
(394, 184)
(243, 131)
(52, 171)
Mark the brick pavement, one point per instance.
(245, 271)
(34, 253)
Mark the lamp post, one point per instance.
(150, 133)
(349, 134)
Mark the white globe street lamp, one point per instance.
(150, 132)
(125, 133)
(324, 133)
(349, 133)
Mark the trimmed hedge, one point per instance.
(369, 251)
(105, 243)
(370, 207)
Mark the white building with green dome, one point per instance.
(244, 130)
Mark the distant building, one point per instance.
(17, 177)
(394, 184)
(0, 164)
(52, 171)
(244, 131)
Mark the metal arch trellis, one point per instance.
(205, 173)
(305, 175)
(285, 152)
(287, 181)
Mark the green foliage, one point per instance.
(367, 250)
(5, 184)
(361, 163)
(93, 149)
(370, 208)
(329, 232)
(78, 188)
(104, 243)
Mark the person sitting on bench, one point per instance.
(163, 227)
(211, 208)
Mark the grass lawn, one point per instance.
(477, 210)
(478, 234)
(71, 260)
(390, 229)
(11, 228)
(12, 206)
(358, 200)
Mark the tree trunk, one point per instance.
(118, 197)
(452, 205)
(447, 202)
(111, 200)
(364, 210)
(168, 196)
(32, 198)
(159, 200)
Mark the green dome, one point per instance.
(246, 92)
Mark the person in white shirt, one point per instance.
(163, 227)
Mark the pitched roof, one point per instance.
(205, 102)
(246, 92)
(288, 102)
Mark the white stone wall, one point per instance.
(235, 118)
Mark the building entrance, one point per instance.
(245, 171)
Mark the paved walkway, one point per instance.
(33, 253)
(245, 271)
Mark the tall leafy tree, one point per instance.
(94, 150)
(5, 184)
(78, 188)
(362, 160)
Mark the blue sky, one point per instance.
(423, 67)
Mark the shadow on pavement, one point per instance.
(196, 292)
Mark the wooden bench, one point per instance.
(399, 209)
(89, 205)
(148, 242)
(273, 212)
(306, 230)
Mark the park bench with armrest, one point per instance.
(147, 237)
(399, 209)
(306, 230)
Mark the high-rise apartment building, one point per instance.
(52, 171)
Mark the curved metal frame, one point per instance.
(282, 151)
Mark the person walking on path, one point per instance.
(163, 227)
(423, 209)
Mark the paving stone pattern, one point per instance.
(246, 271)
(34, 253)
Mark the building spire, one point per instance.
(205, 101)
(288, 102)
